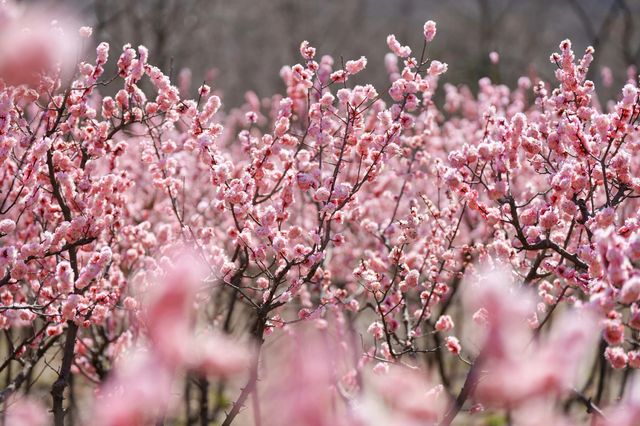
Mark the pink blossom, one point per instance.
(543, 370)
(613, 332)
(168, 310)
(85, 32)
(444, 323)
(354, 67)
(406, 398)
(616, 357)
(634, 359)
(630, 292)
(307, 51)
(130, 303)
(437, 68)
(397, 48)
(453, 345)
(31, 44)
(135, 392)
(7, 226)
(219, 356)
(412, 278)
(429, 31)
(549, 219)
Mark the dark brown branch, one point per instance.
(591, 407)
(469, 386)
(543, 244)
(258, 334)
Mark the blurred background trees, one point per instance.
(242, 44)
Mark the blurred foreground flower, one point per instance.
(33, 44)
(140, 388)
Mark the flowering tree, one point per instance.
(162, 260)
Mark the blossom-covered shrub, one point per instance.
(336, 254)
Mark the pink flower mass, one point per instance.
(340, 253)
